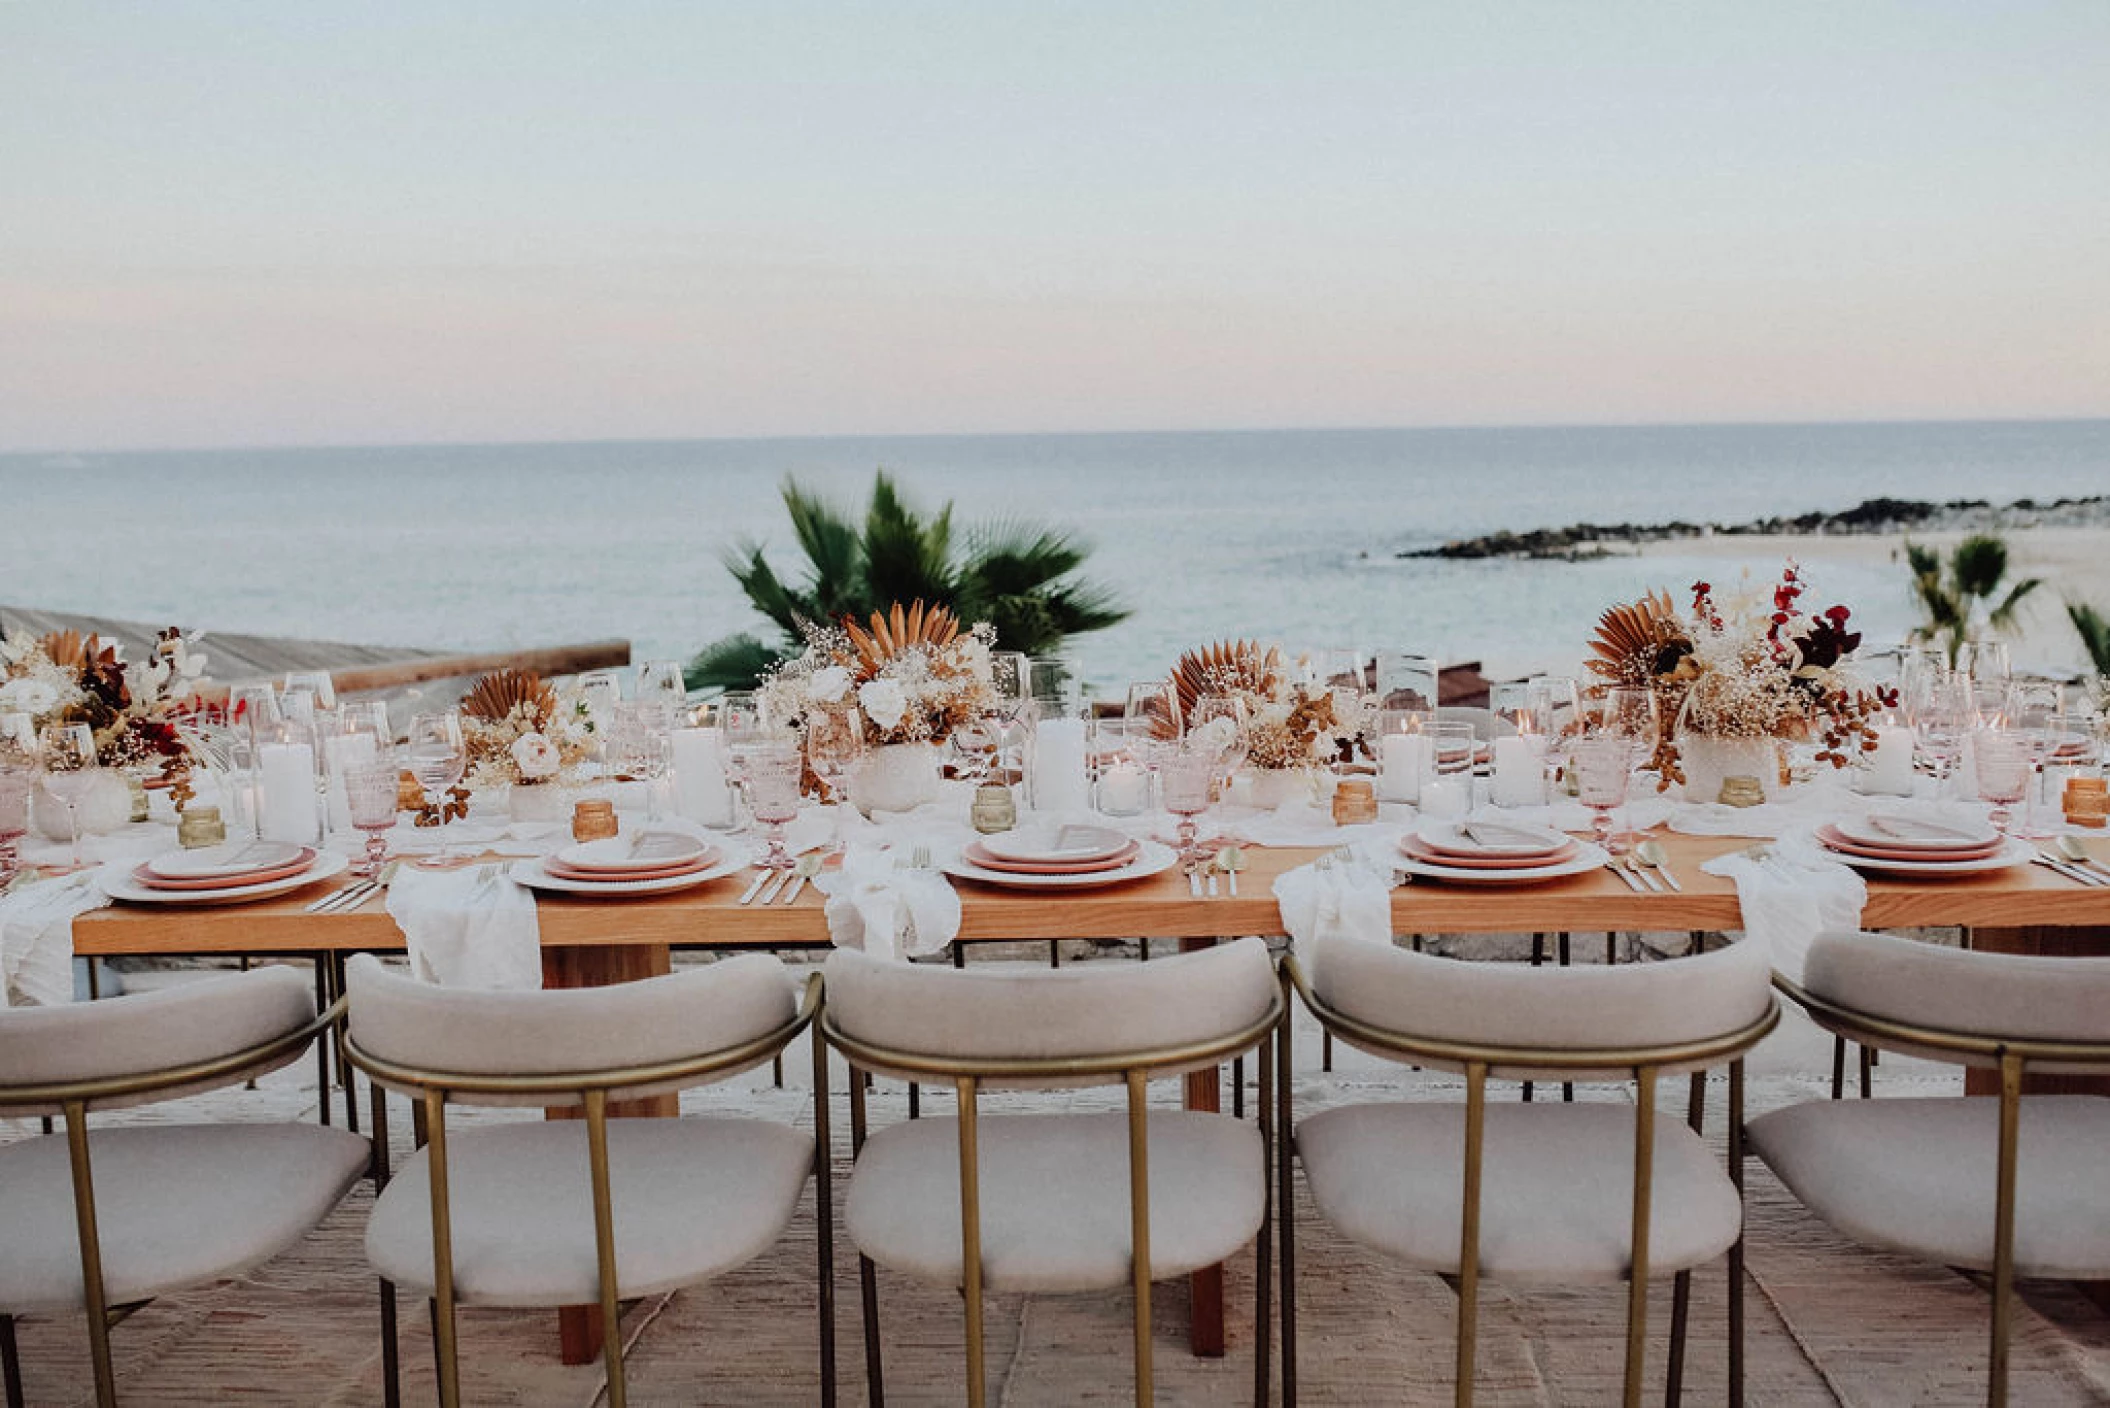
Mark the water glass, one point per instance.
(1453, 748)
(1186, 778)
(1406, 681)
(435, 753)
(835, 741)
(1940, 723)
(1985, 661)
(70, 769)
(315, 682)
(370, 797)
(1152, 710)
(1604, 765)
(662, 680)
(2000, 758)
(774, 771)
(642, 747)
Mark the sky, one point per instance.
(237, 224)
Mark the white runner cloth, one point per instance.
(36, 937)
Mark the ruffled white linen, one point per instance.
(468, 928)
(1307, 824)
(36, 938)
(1338, 897)
(877, 903)
(1790, 891)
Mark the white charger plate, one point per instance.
(117, 882)
(228, 858)
(531, 874)
(1153, 859)
(2014, 853)
(1029, 844)
(1867, 833)
(1586, 859)
(614, 855)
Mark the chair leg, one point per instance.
(11, 1362)
(971, 1235)
(1681, 1286)
(1868, 1066)
(2004, 1228)
(824, 1214)
(322, 1048)
(867, 1273)
(604, 1244)
(1139, 1227)
(1538, 960)
(1469, 1231)
(1838, 1067)
(1238, 1087)
(1637, 1275)
(391, 1345)
(1263, 1269)
(1285, 1155)
(1736, 1248)
(94, 1302)
(1567, 1086)
(444, 1349)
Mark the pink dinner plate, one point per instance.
(614, 877)
(1417, 849)
(145, 875)
(977, 854)
(1837, 840)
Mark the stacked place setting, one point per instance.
(224, 874)
(1494, 853)
(1071, 856)
(648, 863)
(1899, 843)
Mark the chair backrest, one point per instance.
(1998, 996)
(121, 1038)
(1513, 1007)
(988, 1015)
(451, 1035)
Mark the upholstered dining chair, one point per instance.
(1593, 1191)
(2013, 1186)
(105, 1221)
(563, 1212)
(1055, 1202)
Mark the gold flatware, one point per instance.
(1652, 855)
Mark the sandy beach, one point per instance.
(2074, 563)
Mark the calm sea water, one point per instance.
(1286, 535)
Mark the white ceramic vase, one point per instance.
(1269, 788)
(1709, 759)
(538, 801)
(895, 777)
(107, 806)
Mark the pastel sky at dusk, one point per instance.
(290, 223)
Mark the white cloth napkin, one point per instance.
(1335, 897)
(1790, 892)
(468, 928)
(888, 910)
(36, 938)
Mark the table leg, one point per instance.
(579, 1327)
(1205, 1328)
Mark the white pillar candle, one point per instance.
(1059, 782)
(286, 790)
(700, 793)
(1123, 790)
(1520, 771)
(1402, 759)
(1889, 764)
(1448, 795)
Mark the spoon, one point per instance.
(1652, 855)
(2074, 850)
(1230, 860)
(803, 869)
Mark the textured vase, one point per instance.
(1708, 760)
(107, 806)
(1269, 788)
(538, 801)
(895, 777)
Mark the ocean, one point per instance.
(1279, 535)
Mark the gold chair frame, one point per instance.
(74, 1099)
(2010, 1057)
(1135, 1068)
(593, 1089)
(1477, 1059)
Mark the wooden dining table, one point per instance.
(588, 942)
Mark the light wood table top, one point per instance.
(1159, 907)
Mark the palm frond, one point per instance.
(834, 551)
(2002, 617)
(2094, 630)
(737, 662)
(1976, 566)
(905, 558)
(765, 591)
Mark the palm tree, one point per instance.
(1950, 593)
(1016, 576)
(2094, 630)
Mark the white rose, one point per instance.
(535, 756)
(1215, 735)
(884, 702)
(29, 696)
(831, 685)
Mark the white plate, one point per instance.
(655, 850)
(117, 882)
(228, 858)
(1586, 859)
(2012, 854)
(531, 874)
(1061, 844)
(1867, 833)
(1153, 859)
(1455, 836)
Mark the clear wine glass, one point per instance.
(370, 797)
(434, 751)
(2000, 757)
(835, 740)
(1557, 701)
(1233, 741)
(644, 747)
(1152, 710)
(316, 682)
(1940, 723)
(1985, 661)
(774, 770)
(1406, 681)
(70, 769)
(1604, 767)
(2035, 714)
(662, 681)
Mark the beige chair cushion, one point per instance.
(994, 1012)
(692, 1198)
(174, 1205)
(1511, 1004)
(1054, 1198)
(462, 1031)
(1918, 1176)
(2017, 996)
(177, 1026)
(1556, 1189)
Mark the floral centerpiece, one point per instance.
(1750, 666)
(1295, 722)
(913, 676)
(137, 709)
(520, 731)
